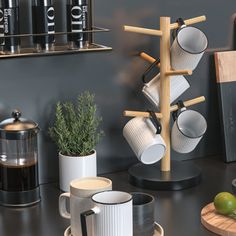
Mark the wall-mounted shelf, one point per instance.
(58, 49)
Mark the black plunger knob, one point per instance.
(16, 114)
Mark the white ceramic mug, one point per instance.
(178, 85)
(79, 198)
(113, 214)
(187, 131)
(146, 143)
(188, 48)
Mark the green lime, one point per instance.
(225, 203)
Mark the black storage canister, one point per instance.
(19, 184)
(11, 25)
(2, 40)
(43, 17)
(79, 19)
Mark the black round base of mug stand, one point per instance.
(182, 175)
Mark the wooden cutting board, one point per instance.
(225, 63)
(219, 224)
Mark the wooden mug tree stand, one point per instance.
(169, 174)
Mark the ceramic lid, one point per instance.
(86, 187)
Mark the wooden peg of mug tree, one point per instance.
(154, 32)
(171, 72)
(189, 21)
(187, 103)
(141, 30)
(146, 114)
(149, 58)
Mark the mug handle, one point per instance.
(62, 205)
(181, 24)
(156, 122)
(181, 108)
(83, 216)
(149, 69)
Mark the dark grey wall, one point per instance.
(34, 85)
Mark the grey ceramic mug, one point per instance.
(143, 214)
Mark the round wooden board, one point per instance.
(219, 224)
(158, 231)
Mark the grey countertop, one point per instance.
(177, 211)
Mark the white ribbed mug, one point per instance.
(79, 198)
(187, 131)
(188, 48)
(178, 85)
(146, 143)
(113, 214)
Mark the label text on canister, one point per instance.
(50, 20)
(79, 19)
(7, 14)
(1, 27)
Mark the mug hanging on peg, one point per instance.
(188, 47)
(188, 129)
(178, 85)
(143, 136)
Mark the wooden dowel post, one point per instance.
(150, 59)
(172, 108)
(165, 89)
(179, 72)
(140, 113)
(189, 103)
(142, 30)
(189, 21)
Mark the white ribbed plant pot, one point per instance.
(75, 167)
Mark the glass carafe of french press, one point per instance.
(19, 185)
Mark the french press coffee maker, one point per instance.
(19, 185)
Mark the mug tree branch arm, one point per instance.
(150, 59)
(172, 108)
(154, 32)
(141, 30)
(190, 21)
(179, 72)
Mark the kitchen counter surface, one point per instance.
(177, 211)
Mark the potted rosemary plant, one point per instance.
(76, 133)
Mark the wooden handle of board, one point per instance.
(189, 21)
(172, 108)
(142, 30)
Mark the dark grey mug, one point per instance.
(143, 214)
